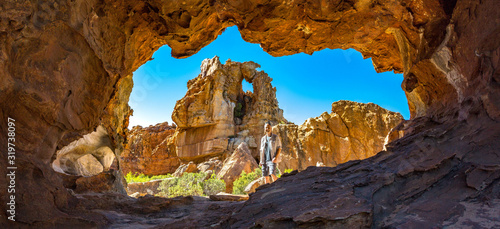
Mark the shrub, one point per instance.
(135, 178)
(238, 110)
(191, 184)
(286, 171)
(213, 185)
(241, 183)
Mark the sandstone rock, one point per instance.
(228, 197)
(143, 188)
(186, 168)
(250, 188)
(86, 156)
(213, 164)
(135, 195)
(102, 182)
(215, 108)
(88, 165)
(66, 68)
(150, 151)
(352, 131)
(241, 160)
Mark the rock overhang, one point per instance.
(84, 52)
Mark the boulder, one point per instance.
(250, 188)
(185, 168)
(87, 156)
(88, 165)
(100, 183)
(214, 164)
(241, 160)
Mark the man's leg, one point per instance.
(274, 177)
(272, 169)
(265, 172)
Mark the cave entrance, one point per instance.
(305, 87)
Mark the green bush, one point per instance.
(238, 110)
(286, 171)
(241, 183)
(135, 178)
(191, 184)
(213, 185)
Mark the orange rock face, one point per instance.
(216, 115)
(149, 151)
(353, 131)
(241, 160)
(64, 65)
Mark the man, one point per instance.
(270, 149)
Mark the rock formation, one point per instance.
(87, 156)
(215, 112)
(145, 188)
(66, 67)
(185, 168)
(241, 160)
(150, 151)
(250, 188)
(353, 131)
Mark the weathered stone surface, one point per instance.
(150, 151)
(214, 164)
(87, 156)
(185, 168)
(100, 183)
(63, 66)
(144, 188)
(250, 188)
(398, 188)
(228, 197)
(241, 160)
(353, 131)
(88, 165)
(215, 115)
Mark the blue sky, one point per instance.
(306, 85)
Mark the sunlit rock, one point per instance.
(353, 131)
(150, 151)
(87, 156)
(241, 160)
(215, 115)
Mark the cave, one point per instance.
(66, 69)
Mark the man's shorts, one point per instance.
(268, 168)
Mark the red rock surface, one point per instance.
(64, 65)
(149, 151)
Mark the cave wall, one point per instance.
(64, 67)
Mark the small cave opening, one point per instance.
(189, 118)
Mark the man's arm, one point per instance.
(278, 151)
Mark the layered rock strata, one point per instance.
(353, 131)
(66, 68)
(150, 151)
